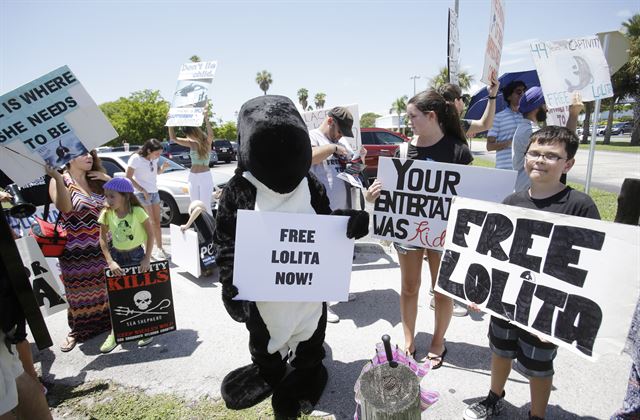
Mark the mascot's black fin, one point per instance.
(299, 392)
(244, 388)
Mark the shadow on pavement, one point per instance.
(370, 307)
(510, 411)
(338, 396)
(202, 281)
(176, 344)
(368, 253)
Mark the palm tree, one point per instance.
(632, 29)
(319, 100)
(195, 59)
(399, 106)
(303, 95)
(464, 79)
(264, 80)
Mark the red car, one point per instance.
(379, 142)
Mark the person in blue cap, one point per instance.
(130, 227)
(534, 111)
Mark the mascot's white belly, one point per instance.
(288, 323)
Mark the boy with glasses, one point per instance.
(534, 110)
(550, 154)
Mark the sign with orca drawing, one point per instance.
(141, 303)
(571, 65)
(414, 204)
(571, 280)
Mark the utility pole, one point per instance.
(414, 83)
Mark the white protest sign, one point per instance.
(574, 281)
(49, 120)
(313, 119)
(185, 250)
(413, 207)
(191, 94)
(558, 116)
(45, 282)
(453, 47)
(493, 52)
(352, 180)
(291, 257)
(571, 65)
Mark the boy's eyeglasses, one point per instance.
(549, 157)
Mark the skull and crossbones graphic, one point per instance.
(142, 301)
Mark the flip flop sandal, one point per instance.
(68, 345)
(437, 365)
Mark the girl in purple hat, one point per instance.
(129, 225)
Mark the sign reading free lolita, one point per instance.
(572, 65)
(291, 257)
(414, 204)
(50, 120)
(191, 94)
(571, 280)
(313, 119)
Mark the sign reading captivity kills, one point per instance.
(413, 207)
(571, 280)
(141, 303)
(291, 257)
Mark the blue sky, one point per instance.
(354, 51)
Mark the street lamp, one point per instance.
(414, 83)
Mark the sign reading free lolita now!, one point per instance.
(50, 120)
(414, 204)
(291, 257)
(573, 281)
(313, 119)
(191, 94)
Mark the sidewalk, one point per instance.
(193, 360)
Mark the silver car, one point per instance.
(173, 185)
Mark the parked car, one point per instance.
(180, 154)
(379, 142)
(621, 128)
(234, 144)
(224, 149)
(173, 185)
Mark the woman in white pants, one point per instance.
(200, 179)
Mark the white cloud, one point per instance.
(625, 13)
(518, 47)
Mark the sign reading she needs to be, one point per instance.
(290, 257)
(413, 207)
(571, 280)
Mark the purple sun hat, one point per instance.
(122, 185)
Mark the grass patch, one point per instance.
(607, 202)
(107, 400)
(614, 146)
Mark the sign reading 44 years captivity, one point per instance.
(572, 65)
(413, 207)
(49, 120)
(571, 280)
(141, 303)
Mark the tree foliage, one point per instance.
(399, 106)
(227, 130)
(464, 79)
(320, 99)
(139, 117)
(264, 80)
(303, 96)
(368, 119)
(195, 59)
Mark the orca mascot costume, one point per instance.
(274, 158)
